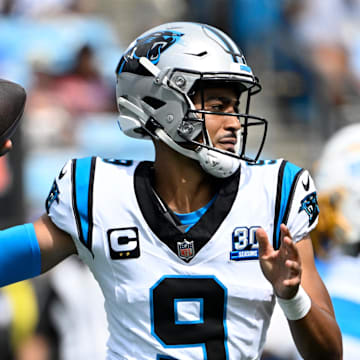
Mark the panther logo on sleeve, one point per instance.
(53, 196)
(310, 205)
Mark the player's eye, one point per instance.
(219, 107)
(228, 105)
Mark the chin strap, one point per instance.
(213, 162)
(218, 164)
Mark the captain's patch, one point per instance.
(124, 243)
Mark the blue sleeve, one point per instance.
(20, 257)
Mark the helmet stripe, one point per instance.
(230, 49)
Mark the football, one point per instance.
(12, 104)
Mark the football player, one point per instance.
(192, 250)
(337, 237)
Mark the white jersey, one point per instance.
(180, 295)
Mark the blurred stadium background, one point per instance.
(64, 52)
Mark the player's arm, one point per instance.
(55, 245)
(317, 335)
(31, 249)
(302, 295)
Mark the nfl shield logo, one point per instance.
(186, 250)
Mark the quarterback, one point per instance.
(192, 250)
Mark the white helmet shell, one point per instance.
(156, 78)
(338, 170)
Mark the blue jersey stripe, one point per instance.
(82, 180)
(83, 192)
(287, 179)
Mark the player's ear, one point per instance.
(6, 147)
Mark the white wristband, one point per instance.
(297, 307)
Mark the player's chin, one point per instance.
(229, 147)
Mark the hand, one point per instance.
(281, 267)
(6, 147)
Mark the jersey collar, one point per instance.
(165, 224)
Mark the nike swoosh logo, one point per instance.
(201, 54)
(307, 185)
(62, 173)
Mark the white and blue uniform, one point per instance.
(341, 275)
(172, 293)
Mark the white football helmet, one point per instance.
(337, 178)
(159, 73)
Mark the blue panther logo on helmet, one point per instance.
(151, 47)
(310, 205)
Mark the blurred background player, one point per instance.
(337, 237)
(72, 323)
(18, 318)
